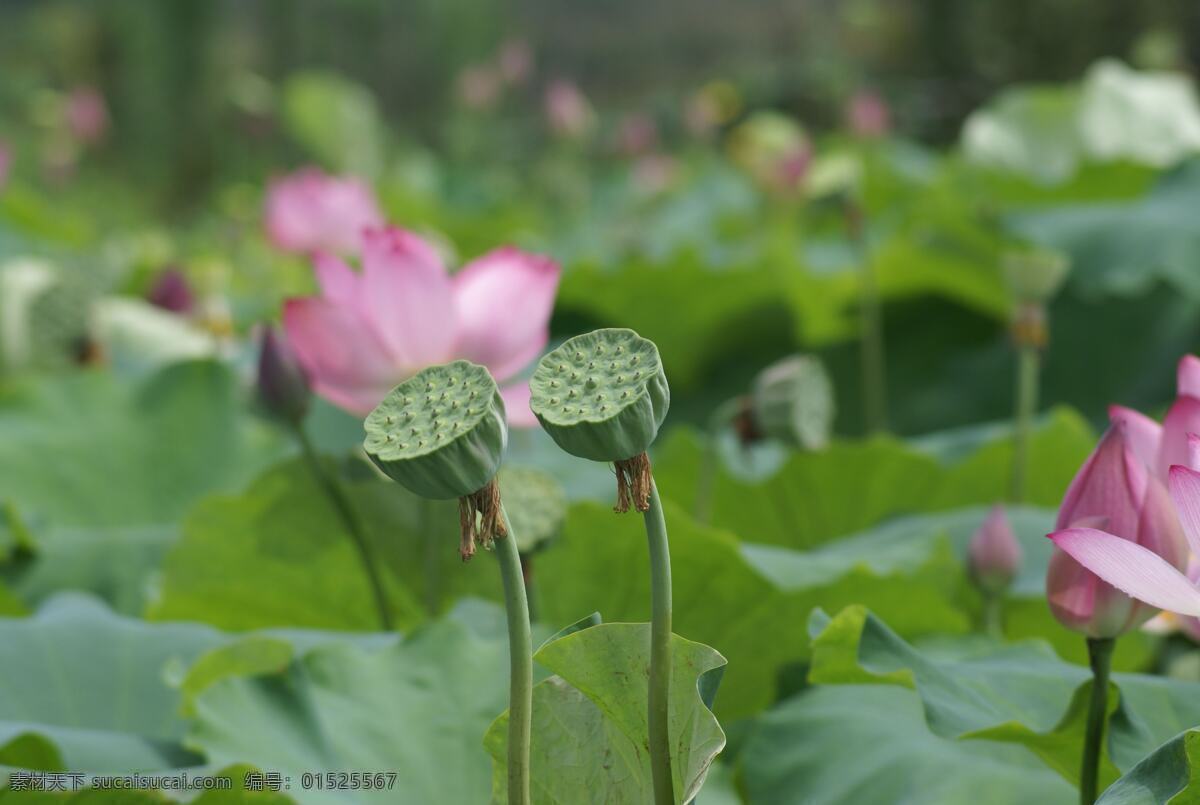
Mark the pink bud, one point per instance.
(568, 112)
(515, 61)
(310, 211)
(282, 385)
(867, 115)
(1182, 418)
(171, 291)
(994, 555)
(1115, 492)
(87, 114)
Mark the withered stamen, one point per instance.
(479, 518)
(633, 483)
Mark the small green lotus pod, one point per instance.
(441, 433)
(792, 401)
(603, 396)
(536, 504)
(1035, 276)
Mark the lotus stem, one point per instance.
(336, 494)
(520, 658)
(1100, 658)
(1029, 362)
(658, 700)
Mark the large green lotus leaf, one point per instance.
(116, 564)
(1019, 693)
(913, 541)
(278, 555)
(418, 707)
(589, 721)
(1125, 247)
(1027, 130)
(713, 313)
(89, 686)
(1170, 774)
(87, 449)
(852, 744)
(723, 600)
(815, 497)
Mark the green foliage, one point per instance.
(336, 120)
(1012, 694)
(589, 720)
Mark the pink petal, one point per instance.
(1188, 377)
(1182, 419)
(1110, 484)
(504, 300)
(342, 357)
(1159, 529)
(1131, 568)
(516, 405)
(1193, 451)
(1185, 492)
(408, 296)
(339, 284)
(1142, 433)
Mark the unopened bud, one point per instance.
(282, 385)
(994, 555)
(171, 291)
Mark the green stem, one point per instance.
(658, 700)
(874, 373)
(520, 659)
(1100, 657)
(530, 587)
(341, 503)
(1028, 369)
(993, 609)
(432, 556)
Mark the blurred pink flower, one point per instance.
(368, 331)
(87, 114)
(654, 173)
(172, 291)
(994, 555)
(479, 86)
(1115, 494)
(515, 61)
(5, 162)
(637, 134)
(568, 112)
(309, 211)
(868, 115)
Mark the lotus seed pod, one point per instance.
(602, 395)
(792, 401)
(1035, 276)
(441, 433)
(536, 504)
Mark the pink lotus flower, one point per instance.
(5, 162)
(568, 112)
(1162, 446)
(309, 211)
(1116, 495)
(867, 115)
(368, 331)
(994, 555)
(515, 61)
(87, 114)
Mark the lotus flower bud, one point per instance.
(282, 385)
(792, 401)
(603, 396)
(994, 555)
(1035, 276)
(441, 434)
(171, 291)
(1113, 491)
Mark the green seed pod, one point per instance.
(1035, 276)
(792, 402)
(602, 395)
(441, 433)
(536, 505)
